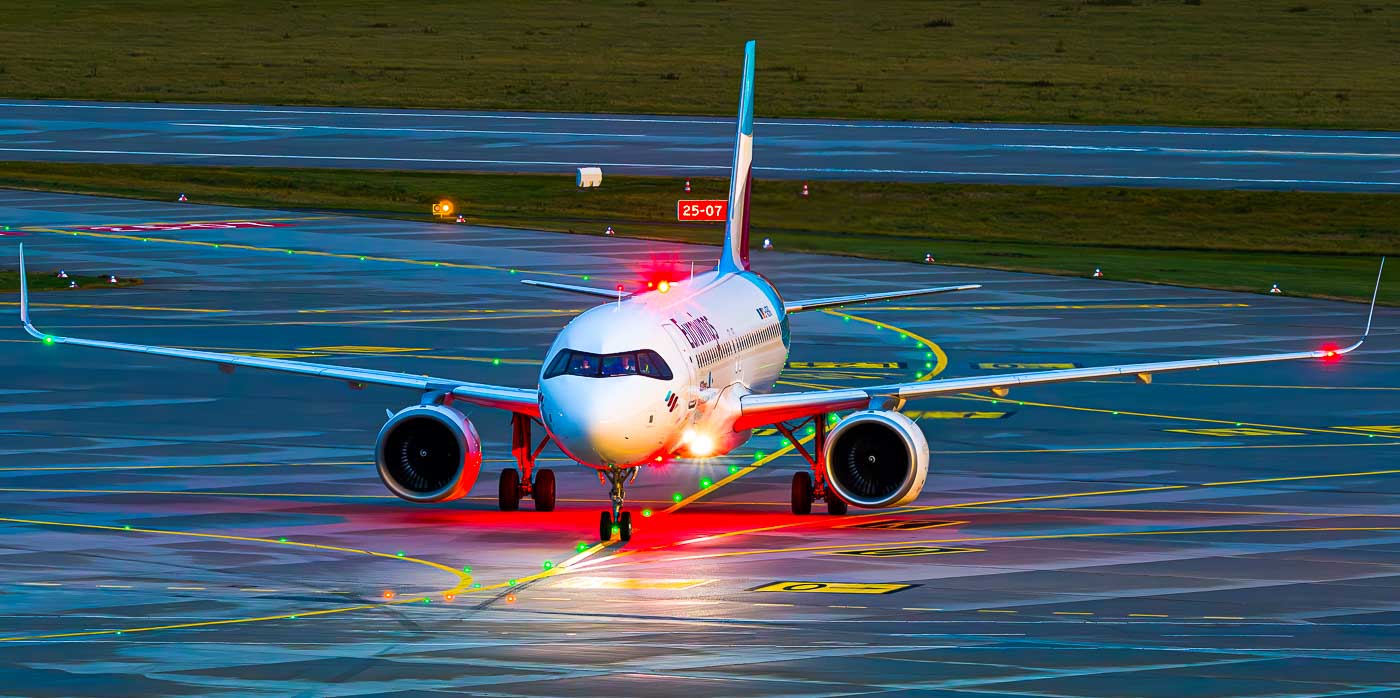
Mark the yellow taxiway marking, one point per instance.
(284, 250)
(1015, 365)
(1300, 477)
(41, 584)
(1114, 449)
(994, 610)
(1223, 617)
(1179, 418)
(1072, 613)
(463, 585)
(1148, 615)
(941, 359)
(917, 608)
(113, 586)
(1050, 536)
(151, 308)
(1104, 306)
(1235, 431)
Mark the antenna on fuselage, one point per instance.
(692, 270)
(619, 296)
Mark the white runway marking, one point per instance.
(1149, 131)
(426, 130)
(720, 168)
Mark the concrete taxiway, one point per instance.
(171, 530)
(243, 135)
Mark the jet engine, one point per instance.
(428, 453)
(876, 459)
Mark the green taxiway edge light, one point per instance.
(677, 497)
(646, 513)
(581, 547)
(616, 530)
(467, 569)
(281, 540)
(476, 585)
(733, 469)
(585, 277)
(48, 340)
(495, 362)
(548, 565)
(511, 582)
(399, 553)
(705, 483)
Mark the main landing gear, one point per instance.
(527, 482)
(616, 521)
(804, 489)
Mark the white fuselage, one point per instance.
(606, 403)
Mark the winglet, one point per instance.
(1372, 313)
(24, 302)
(735, 255)
(23, 290)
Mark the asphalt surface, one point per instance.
(167, 529)
(681, 146)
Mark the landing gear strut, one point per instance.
(804, 489)
(514, 485)
(617, 518)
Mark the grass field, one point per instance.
(1322, 244)
(1329, 63)
(49, 281)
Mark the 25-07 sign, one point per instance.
(701, 210)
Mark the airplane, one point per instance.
(682, 370)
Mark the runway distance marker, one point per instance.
(1236, 431)
(1015, 365)
(834, 587)
(903, 524)
(906, 551)
(701, 210)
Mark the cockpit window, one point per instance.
(644, 362)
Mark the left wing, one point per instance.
(834, 301)
(519, 400)
(759, 410)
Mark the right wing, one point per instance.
(518, 400)
(757, 410)
(585, 290)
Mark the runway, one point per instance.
(679, 146)
(168, 529)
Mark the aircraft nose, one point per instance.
(603, 421)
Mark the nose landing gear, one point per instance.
(616, 521)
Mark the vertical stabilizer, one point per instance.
(735, 256)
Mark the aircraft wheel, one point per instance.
(835, 505)
(543, 491)
(605, 524)
(624, 526)
(509, 493)
(801, 493)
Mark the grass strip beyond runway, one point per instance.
(1265, 62)
(1310, 243)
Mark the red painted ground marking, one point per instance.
(167, 227)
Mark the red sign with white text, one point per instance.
(701, 210)
(165, 227)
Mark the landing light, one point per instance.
(664, 286)
(701, 445)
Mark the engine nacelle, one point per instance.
(876, 459)
(428, 453)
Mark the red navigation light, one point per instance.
(1330, 353)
